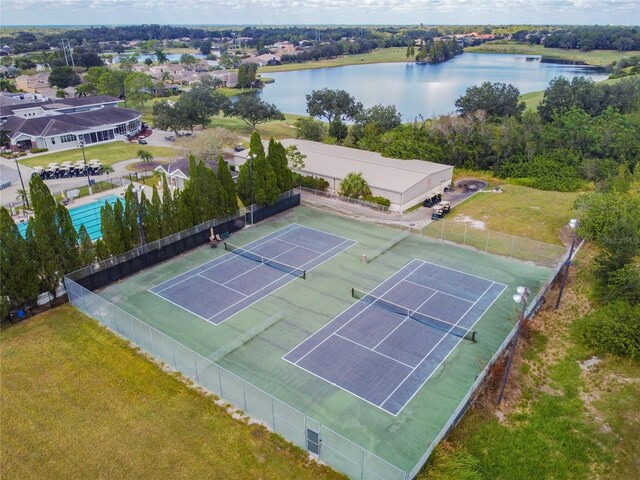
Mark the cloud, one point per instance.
(65, 12)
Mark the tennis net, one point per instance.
(441, 325)
(283, 267)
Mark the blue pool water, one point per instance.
(87, 215)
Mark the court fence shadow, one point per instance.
(107, 271)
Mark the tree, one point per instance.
(209, 144)
(247, 74)
(148, 61)
(137, 87)
(188, 59)
(309, 129)
(496, 99)
(294, 157)
(277, 158)
(252, 110)
(166, 116)
(354, 185)
(63, 77)
(332, 105)
(145, 155)
(19, 282)
(198, 105)
(131, 218)
(265, 183)
(68, 240)
(152, 218)
(161, 57)
(229, 186)
(205, 47)
(87, 249)
(170, 222)
(111, 82)
(61, 93)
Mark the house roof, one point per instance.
(61, 124)
(380, 172)
(7, 108)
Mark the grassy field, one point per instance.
(521, 211)
(559, 418)
(277, 129)
(382, 55)
(600, 58)
(107, 153)
(78, 402)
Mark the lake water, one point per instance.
(172, 57)
(427, 89)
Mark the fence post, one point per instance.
(173, 351)
(464, 240)
(486, 247)
(133, 329)
(362, 465)
(195, 366)
(273, 413)
(153, 343)
(442, 231)
(513, 244)
(244, 396)
(220, 380)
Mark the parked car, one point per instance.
(170, 138)
(238, 148)
(142, 141)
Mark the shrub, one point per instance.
(38, 150)
(613, 328)
(22, 154)
(309, 181)
(379, 200)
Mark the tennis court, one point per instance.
(217, 290)
(384, 347)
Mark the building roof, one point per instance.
(8, 108)
(383, 173)
(64, 123)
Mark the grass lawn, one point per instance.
(78, 402)
(521, 211)
(559, 419)
(600, 58)
(381, 55)
(107, 153)
(277, 129)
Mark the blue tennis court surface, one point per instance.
(218, 289)
(384, 356)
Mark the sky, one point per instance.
(318, 12)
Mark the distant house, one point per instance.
(266, 59)
(177, 172)
(63, 123)
(33, 83)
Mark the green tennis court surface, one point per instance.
(252, 343)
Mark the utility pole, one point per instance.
(64, 50)
(26, 196)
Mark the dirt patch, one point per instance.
(587, 364)
(477, 224)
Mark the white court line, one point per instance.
(221, 259)
(300, 246)
(464, 273)
(179, 306)
(253, 268)
(450, 350)
(435, 346)
(221, 285)
(371, 350)
(323, 232)
(337, 386)
(424, 358)
(439, 291)
(405, 319)
(352, 318)
(286, 283)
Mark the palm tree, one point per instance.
(145, 155)
(354, 186)
(21, 195)
(61, 93)
(166, 77)
(161, 56)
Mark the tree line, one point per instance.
(52, 247)
(581, 132)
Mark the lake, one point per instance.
(426, 89)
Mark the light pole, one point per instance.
(26, 196)
(86, 167)
(520, 298)
(573, 223)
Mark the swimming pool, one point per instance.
(87, 215)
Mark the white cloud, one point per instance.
(320, 11)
